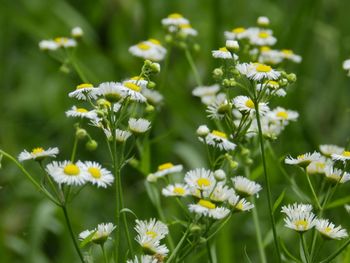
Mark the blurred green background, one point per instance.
(33, 98)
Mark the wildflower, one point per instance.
(240, 204)
(83, 92)
(112, 91)
(336, 175)
(232, 45)
(37, 154)
(281, 114)
(299, 217)
(167, 168)
(77, 32)
(261, 37)
(329, 149)
(219, 107)
(344, 156)
(97, 175)
(150, 49)
(81, 113)
(100, 234)
(67, 173)
(206, 93)
(346, 66)
(236, 33)
(152, 96)
(174, 19)
(246, 105)
(329, 231)
(200, 179)
(273, 88)
(219, 140)
(290, 55)
(245, 187)
(65, 42)
(223, 53)
(263, 21)
(143, 259)
(207, 208)
(221, 193)
(268, 55)
(258, 71)
(303, 160)
(187, 30)
(202, 130)
(317, 167)
(48, 45)
(134, 91)
(139, 126)
(121, 136)
(176, 190)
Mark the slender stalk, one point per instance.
(193, 67)
(336, 253)
(312, 189)
(104, 254)
(210, 256)
(76, 246)
(303, 244)
(267, 182)
(178, 246)
(165, 69)
(74, 150)
(258, 233)
(77, 68)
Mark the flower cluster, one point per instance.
(62, 42)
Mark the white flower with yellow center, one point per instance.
(207, 208)
(150, 49)
(246, 105)
(261, 37)
(346, 66)
(290, 55)
(299, 217)
(48, 45)
(329, 149)
(303, 159)
(329, 231)
(38, 153)
(174, 19)
(67, 173)
(176, 190)
(97, 175)
(121, 136)
(219, 107)
(245, 187)
(268, 55)
(336, 175)
(65, 42)
(143, 259)
(317, 167)
(81, 113)
(140, 81)
(221, 193)
(167, 168)
(263, 21)
(112, 91)
(83, 92)
(271, 87)
(281, 114)
(258, 71)
(223, 53)
(139, 126)
(134, 91)
(240, 204)
(99, 234)
(344, 156)
(237, 33)
(188, 30)
(152, 96)
(219, 140)
(200, 179)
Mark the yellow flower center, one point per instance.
(175, 16)
(301, 224)
(37, 150)
(152, 234)
(282, 114)
(327, 229)
(238, 30)
(239, 206)
(206, 204)
(273, 83)
(223, 49)
(179, 190)
(263, 68)
(263, 34)
(71, 169)
(81, 110)
(250, 104)
(203, 182)
(184, 26)
(301, 156)
(84, 86)
(346, 153)
(95, 172)
(154, 41)
(143, 46)
(137, 78)
(132, 86)
(287, 51)
(165, 166)
(61, 40)
(265, 48)
(219, 134)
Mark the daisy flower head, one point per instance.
(346, 66)
(81, 113)
(134, 91)
(139, 126)
(218, 107)
(329, 149)
(174, 19)
(290, 55)
(344, 156)
(48, 45)
(150, 49)
(246, 105)
(143, 259)
(336, 175)
(258, 71)
(84, 91)
(99, 234)
(37, 154)
(176, 190)
(208, 208)
(221, 193)
(97, 175)
(271, 87)
(167, 168)
(281, 114)
(140, 81)
(329, 231)
(268, 55)
(299, 217)
(65, 42)
(200, 179)
(303, 160)
(112, 91)
(245, 187)
(67, 173)
(236, 33)
(122, 136)
(240, 204)
(317, 167)
(261, 37)
(219, 140)
(187, 30)
(77, 32)
(223, 53)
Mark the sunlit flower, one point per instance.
(65, 42)
(38, 153)
(150, 49)
(245, 187)
(134, 91)
(271, 87)
(188, 30)
(258, 71)
(139, 125)
(221, 193)
(329, 149)
(152, 96)
(176, 190)
(121, 136)
(48, 45)
(81, 113)
(336, 175)
(303, 159)
(207, 208)
(83, 92)
(167, 168)
(329, 231)
(236, 33)
(246, 105)
(268, 55)
(219, 140)
(344, 156)
(206, 93)
(219, 107)
(112, 91)
(77, 32)
(317, 167)
(290, 55)
(99, 234)
(67, 173)
(174, 19)
(299, 217)
(97, 175)
(261, 37)
(240, 204)
(200, 179)
(281, 114)
(203, 130)
(346, 66)
(263, 21)
(223, 53)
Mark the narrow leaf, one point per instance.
(278, 201)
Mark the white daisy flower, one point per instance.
(219, 140)
(176, 190)
(65, 42)
(269, 56)
(139, 81)
(273, 88)
(258, 71)
(223, 53)
(122, 136)
(167, 168)
(293, 208)
(81, 113)
(150, 49)
(219, 107)
(336, 175)
(244, 186)
(83, 92)
(299, 217)
(152, 96)
(112, 91)
(143, 259)
(346, 66)
(281, 114)
(67, 173)
(329, 149)
(303, 159)
(221, 193)
(246, 105)
(188, 30)
(240, 204)
(200, 179)
(38, 153)
(344, 156)
(261, 37)
(101, 233)
(263, 21)
(134, 91)
(207, 208)
(317, 167)
(174, 19)
(290, 55)
(48, 45)
(236, 33)
(329, 231)
(97, 175)
(139, 126)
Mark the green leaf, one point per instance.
(87, 240)
(339, 202)
(1, 155)
(278, 201)
(127, 210)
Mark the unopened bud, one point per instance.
(91, 145)
(203, 131)
(292, 77)
(80, 133)
(218, 73)
(151, 85)
(232, 45)
(152, 178)
(77, 32)
(263, 21)
(220, 175)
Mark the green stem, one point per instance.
(193, 67)
(210, 256)
(165, 70)
(258, 233)
(104, 254)
(117, 213)
(312, 189)
(65, 212)
(303, 244)
(77, 67)
(336, 253)
(267, 182)
(74, 150)
(178, 246)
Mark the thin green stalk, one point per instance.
(165, 69)
(210, 256)
(312, 189)
(178, 246)
(193, 67)
(258, 233)
(267, 182)
(104, 254)
(336, 253)
(303, 244)
(76, 246)
(74, 150)
(77, 68)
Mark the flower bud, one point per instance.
(77, 32)
(151, 85)
(152, 178)
(202, 131)
(292, 77)
(91, 145)
(232, 45)
(81, 133)
(263, 21)
(220, 175)
(218, 73)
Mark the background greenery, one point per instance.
(33, 98)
